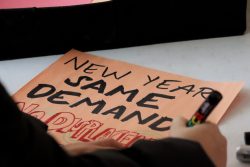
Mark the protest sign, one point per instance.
(82, 97)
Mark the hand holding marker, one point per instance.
(205, 109)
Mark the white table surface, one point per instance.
(217, 59)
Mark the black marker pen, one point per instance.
(205, 109)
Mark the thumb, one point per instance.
(178, 123)
(109, 143)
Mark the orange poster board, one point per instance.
(83, 97)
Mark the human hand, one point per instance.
(87, 147)
(207, 134)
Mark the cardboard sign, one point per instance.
(84, 98)
(11, 4)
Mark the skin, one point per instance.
(213, 142)
(82, 148)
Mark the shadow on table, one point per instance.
(248, 17)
